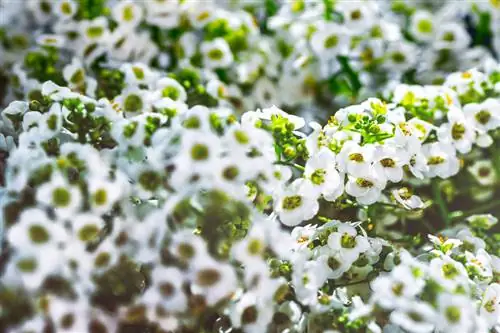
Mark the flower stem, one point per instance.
(439, 200)
(294, 165)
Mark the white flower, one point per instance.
(484, 116)
(216, 54)
(166, 289)
(483, 221)
(355, 159)
(127, 13)
(330, 41)
(170, 88)
(65, 198)
(451, 35)
(320, 170)
(348, 243)
(388, 163)
(414, 317)
(296, 203)
(448, 272)
(397, 289)
(251, 314)
(213, 279)
(407, 199)
(456, 313)
(34, 231)
(484, 172)
(441, 160)
(490, 305)
(422, 25)
(457, 131)
(366, 189)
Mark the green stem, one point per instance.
(481, 209)
(439, 200)
(294, 165)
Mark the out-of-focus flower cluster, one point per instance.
(138, 196)
(299, 55)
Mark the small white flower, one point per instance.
(348, 243)
(213, 279)
(441, 160)
(65, 198)
(216, 54)
(355, 159)
(166, 289)
(422, 25)
(414, 317)
(326, 180)
(296, 203)
(367, 189)
(127, 13)
(490, 305)
(483, 221)
(484, 116)
(456, 313)
(457, 131)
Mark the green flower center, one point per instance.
(100, 197)
(364, 183)
(255, 246)
(425, 26)
(453, 314)
(318, 176)
(292, 202)
(490, 305)
(167, 289)
(128, 13)
(77, 76)
(388, 163)
(199, 152)
(398, 57)
(483, 117)
(333, 263)
(66, 8)
(449, 271)
(138, 72)
(449, 37)
(457, 131)
(230, 173)
(52, 122)
(150, 180)
(347, 241)
(186, 251)
(331, 41)
(435, 160)
(397, 289)
(61, 197)
(356, 157)
(102, 259)
(95, 32)
(208, 277)
(241, 137)
(27, 265)
(215, 54)
(249, 315)
(38, 234)
(170, 92)
(133, 103)
(88, 232)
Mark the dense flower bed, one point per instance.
(140, 194)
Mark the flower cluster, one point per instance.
(139, 194)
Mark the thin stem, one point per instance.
(294, 165)
(438, 199)
(481, 209)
